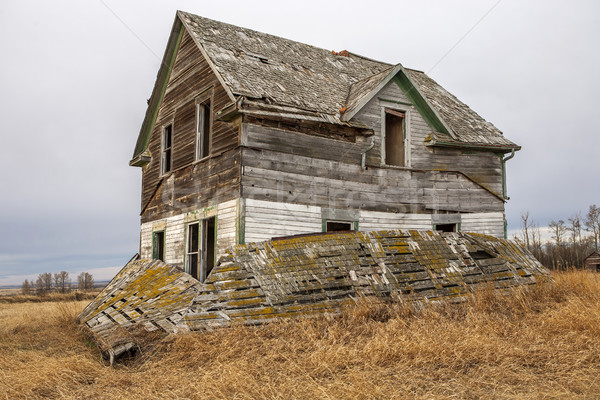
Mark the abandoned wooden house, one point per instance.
(592, 262)
(283, 180)
(249, 136)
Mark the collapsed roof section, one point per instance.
(271, 76)
(307, 275)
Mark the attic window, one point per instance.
(165, 149)
(395, 138)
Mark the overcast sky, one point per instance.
(75, 76)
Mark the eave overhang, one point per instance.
(433, 142)
(141, 160)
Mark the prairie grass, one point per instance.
(16, 297)
(539, 342)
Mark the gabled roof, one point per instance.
(315, 84)
(281, 71)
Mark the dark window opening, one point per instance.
(209, 233)
(203, 130)
(394, 138)
(158, 245)
(201, 248)
(165, 159)
(446, 228)
(336, 226)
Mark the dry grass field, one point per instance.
(542, 343)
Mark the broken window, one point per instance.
(395, 137)
(339, 226)
(158, 245)
(165, 152)
(446, 227)
(200, 248)
(203, 130)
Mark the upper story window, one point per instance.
(166, 146)
(203, 115)
(396, 138)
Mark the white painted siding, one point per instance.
(175, 245)
(379, 221)
(487, 223)
(267, 219)
(174, 228)
(226, 225)
(146, 241)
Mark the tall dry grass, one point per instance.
(48, 297)
(542, 342)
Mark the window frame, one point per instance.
(456, 226)
(202, 252)
(353, 224)
(166, 150)
(204, 101)
(163, 244)
(406, 130)
(198, 252)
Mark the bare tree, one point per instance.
(575, 228)
(85, 281)
(592, 223)
(26, 287)
(525, 227)
(43, 283)
(62, 281)
(558, 231)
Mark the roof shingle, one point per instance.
(283, 72)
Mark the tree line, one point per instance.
(58, 282)
(568, 246)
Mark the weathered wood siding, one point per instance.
(227, 227)
(189, 77)
(174, 227)
(302, 144)
(483, 167)
(287, 173)
(202, 184)
(592, 262)
(266, 219)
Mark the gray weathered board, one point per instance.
(301, 276)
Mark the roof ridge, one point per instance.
(237, 27)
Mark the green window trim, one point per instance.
(156, 236)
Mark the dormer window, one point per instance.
(203, 113)
(396, 138)
(166, 149)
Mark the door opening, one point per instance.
(201, 248)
